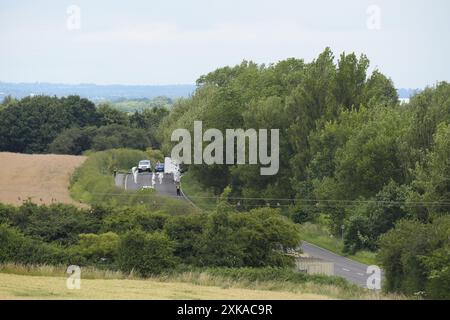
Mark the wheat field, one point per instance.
(44, 178)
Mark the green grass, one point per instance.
(319, 236)
(202, 198)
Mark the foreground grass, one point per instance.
(319, 236)
(38, 287)
(43, 282)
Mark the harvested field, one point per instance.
(33, 287)
(42, 178)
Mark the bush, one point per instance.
(96, 248)
(146, 253)
(416, 256)
(16, 247)
(257, 238)
(187, 233)
(55, 223)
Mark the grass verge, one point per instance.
(202, 198)
(319, 236)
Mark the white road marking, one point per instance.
(126, 179)
(345, 269)
(360, 274)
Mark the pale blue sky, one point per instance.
(170, 42)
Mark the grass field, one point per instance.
(38, 287)
(42, 178)
(49, 282)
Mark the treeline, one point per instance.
(72, 125)
(351, 155)
(134, 239)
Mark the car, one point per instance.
(159, 167)
(144, 166)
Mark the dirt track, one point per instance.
(43, 178)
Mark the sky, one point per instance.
(174, 42)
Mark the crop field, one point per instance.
(42, 178)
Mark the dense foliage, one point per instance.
(71, 125)
(351, 155)
(143, 241)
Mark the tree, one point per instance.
(415, 258)
(73, 141)
(32, 123)
(380, 91)
(350, 80)
(432, 178)
(187, 233)
(117, 136)
(108, 116)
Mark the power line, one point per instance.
(294, 201)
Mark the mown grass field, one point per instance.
(39, 287)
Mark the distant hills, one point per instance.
(95, 92)
(98, 93)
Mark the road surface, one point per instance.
(351, 270)
(162, 182)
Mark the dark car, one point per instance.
(159, 167)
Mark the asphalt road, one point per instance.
(351, 270)
(162, 182)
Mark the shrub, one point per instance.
(55, 223)
(416, 256)
(146, 253)
(187, 232)
(95, 248)
(16, 247)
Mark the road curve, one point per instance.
(353, 271)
